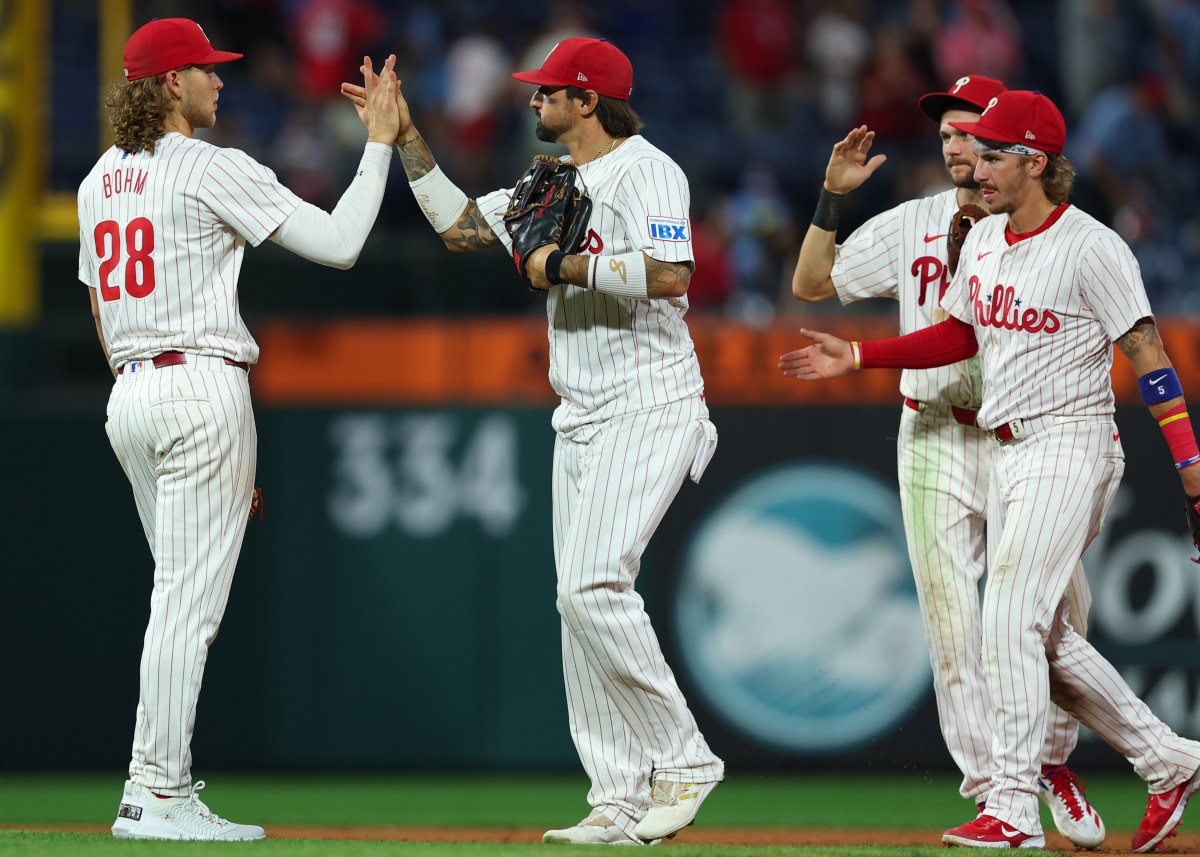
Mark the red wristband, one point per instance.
(1176, 427)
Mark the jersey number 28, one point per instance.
(139, 267)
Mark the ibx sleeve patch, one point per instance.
(669, 229)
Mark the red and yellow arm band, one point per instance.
(941, 344)
(1177, 429)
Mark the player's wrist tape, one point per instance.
(554, 266)
(440, 199)
(1176, 427)
(1160, 385)
(829, 210)
(856, 353)
(623, 275)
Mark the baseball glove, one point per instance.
(1193, 519)
(256, 503)
(547, 207)
(960, 225)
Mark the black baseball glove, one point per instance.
(960, 225)
(547, 207)
(1193, 519)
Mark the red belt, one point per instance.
(177, 358)
(962, 416)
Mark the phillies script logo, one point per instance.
(594, 243)
(930, 270)
(1001, 309)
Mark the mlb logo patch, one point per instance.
(668, 229)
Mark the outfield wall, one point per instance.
(395, 608)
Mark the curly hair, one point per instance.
(137, 111)
(1058, 178)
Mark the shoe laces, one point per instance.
(666, 793)
(201, 809)
(1068, 787)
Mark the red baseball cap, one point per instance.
(167, 43)
(1020, 117)
(586, 63)
(971, 92)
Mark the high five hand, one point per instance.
(828, 357)
(357, 95)
(848, 165)
(379, 112)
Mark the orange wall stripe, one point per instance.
(503, 361)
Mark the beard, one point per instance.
(967, 182)
(199, 114)
(545, 134)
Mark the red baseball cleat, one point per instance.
(987, 831)
(1163, 812)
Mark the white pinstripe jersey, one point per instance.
(1046, 311)
(161, 235)
(901, 254)
(611, 355)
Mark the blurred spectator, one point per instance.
(1179, 40)
(302, 155)
(1091, 48)
(891, 85)
(981, 37)
(331, 38)
(712, 282)
(756, 39)
(838, 44)
(793, 74)
(1121, 140)
(759, 221)
(477, 75)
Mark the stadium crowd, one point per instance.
(747, 95)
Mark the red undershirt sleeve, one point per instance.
(940, 345)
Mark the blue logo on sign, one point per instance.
(797, 611)
(668, 229)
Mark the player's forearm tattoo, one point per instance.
(575, 270)
(663, 278)
(471, 232)
(416, 158)
(1141, 336)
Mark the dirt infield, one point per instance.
(1183, 845)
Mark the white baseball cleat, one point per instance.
(596, 829)
(1074, 816)
(144, 815)
(673, 806)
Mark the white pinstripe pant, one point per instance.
(185, 437)
(613, 482)
(944, 470)
(1050, 493)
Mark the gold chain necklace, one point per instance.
(604, 150)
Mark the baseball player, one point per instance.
(164, 220)
(1041, 293)
(632, 425)
(942, 455)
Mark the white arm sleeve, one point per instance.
(336, 239)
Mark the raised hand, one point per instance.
(848, 165)
(380, 113)
(827, 357)
(357, 95)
